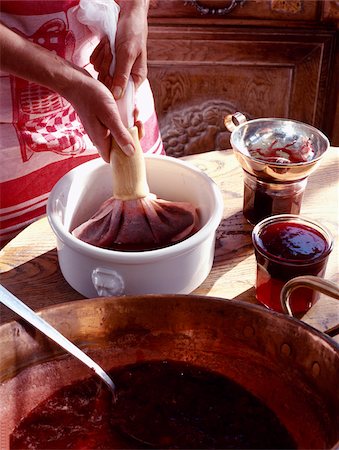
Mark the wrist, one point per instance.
(73, 83)
(69, 79)
(128, 5)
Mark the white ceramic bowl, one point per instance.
(177, 269)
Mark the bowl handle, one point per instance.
(309, 281)
(108, 282)
(232, 121)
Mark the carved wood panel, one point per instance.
(234, 9)
(200, 73)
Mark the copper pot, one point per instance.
(292, 367)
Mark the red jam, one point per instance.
(293, 241)
(287, 250)
(163, 404)
(289, 153)
(263, 199)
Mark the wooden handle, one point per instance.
(129, 172)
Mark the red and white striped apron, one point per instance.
(41, 137)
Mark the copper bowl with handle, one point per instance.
(289, 365)
(264, 132)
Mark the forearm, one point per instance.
(30, 61)
(90, 98)
(135, 10)
(131, 4)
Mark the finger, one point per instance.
(138, 123)
(98, 61)
(100, 137)
(101, 133)
(139, 71)
(107, 60)
(109, 82)
(119, 132)
(136, 113)
(101, 59)
(102, 119)
(124, 61)
(141, 129)
(94, 56)
(124, 140)
(96, 52)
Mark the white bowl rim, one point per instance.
(141, 256)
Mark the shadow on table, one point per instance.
(38, 283)
(247, 296)
(233, 246)
(233, 238)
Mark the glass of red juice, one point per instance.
(287, 246)
(263, 199)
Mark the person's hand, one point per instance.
(99, 115)
(130, 49)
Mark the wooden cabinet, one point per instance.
(265, 58)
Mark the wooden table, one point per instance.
(29, 264)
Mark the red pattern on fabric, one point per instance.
(36, 7)
(152, 134)
(38, 111)
(60, 132)
(28, 187)
(28, 216)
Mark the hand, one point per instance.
(130, 49)
(99, 115)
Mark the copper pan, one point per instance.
(292, 367)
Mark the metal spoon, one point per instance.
(16, 305)
(20, 308)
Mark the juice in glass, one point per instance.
(287, 246)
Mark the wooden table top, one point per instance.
(29, 263)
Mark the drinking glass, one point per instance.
(287, 246)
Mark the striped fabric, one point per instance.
(41, 137)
